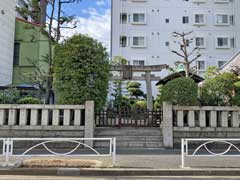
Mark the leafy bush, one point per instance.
(29, 100)
(218, 91)
(236, 100)
(158, 101)
(9, 96)
(180, 91)
(141, 104)
(237, 87)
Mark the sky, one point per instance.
(94, 19)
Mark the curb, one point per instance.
(119, 172)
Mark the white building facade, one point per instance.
(142, 30)
(7, 30)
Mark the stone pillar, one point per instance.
(89, 122)
(167, 128)
(149, 91)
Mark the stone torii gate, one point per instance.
(126, 73)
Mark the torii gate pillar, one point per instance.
(149, 91)
(127, 74)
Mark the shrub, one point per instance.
(9, 96)
(29, 100)
(140, 104)
(134, 89)
(219, 91)
(180, 91)
(236, 100)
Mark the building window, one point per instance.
(222, 19)
(232, 42)
(199, 19)
(123, 18)
(167, 43)
(185, 20)
(138, 41)
(200, 65)
(221, 1)
(187, 42)
(16, 56)
(200, 42)
(138, 18)
(223, 42)
(123, 41)
(221, 63)
(138, 62)
(167, 20)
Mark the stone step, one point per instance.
(135, 138)
(127, 144)
(127, 132)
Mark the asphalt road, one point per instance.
(113, 178)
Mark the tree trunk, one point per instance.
(50, 60)
(187, 70)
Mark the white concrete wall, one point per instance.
(7, 30)
(158, 31)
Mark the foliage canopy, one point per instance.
(180, 91)
(219, 91)
(81, 71)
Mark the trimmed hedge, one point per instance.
(180, 91)
(29, 100)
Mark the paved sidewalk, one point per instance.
(168, 159)
(163, 159)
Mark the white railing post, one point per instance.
(113, 151)
(183, 153)
(7, 150)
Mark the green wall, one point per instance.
(33, 47)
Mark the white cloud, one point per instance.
(96, 25)
(101, 2)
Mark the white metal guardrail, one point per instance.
(46, 147)
(203, 149)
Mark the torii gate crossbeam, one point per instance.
(127, 74)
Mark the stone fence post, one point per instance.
(89, 122)
(167, 128)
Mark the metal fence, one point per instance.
(51, 147)
(209, 148)
(128, 117)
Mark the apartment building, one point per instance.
(142, 30)
(7, 24)
(41, 19)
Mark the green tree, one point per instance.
(134, 89)
(212, 71)
(81, 71)
(219, 90)
(119, 99)
(158, 101)
(180, 91)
